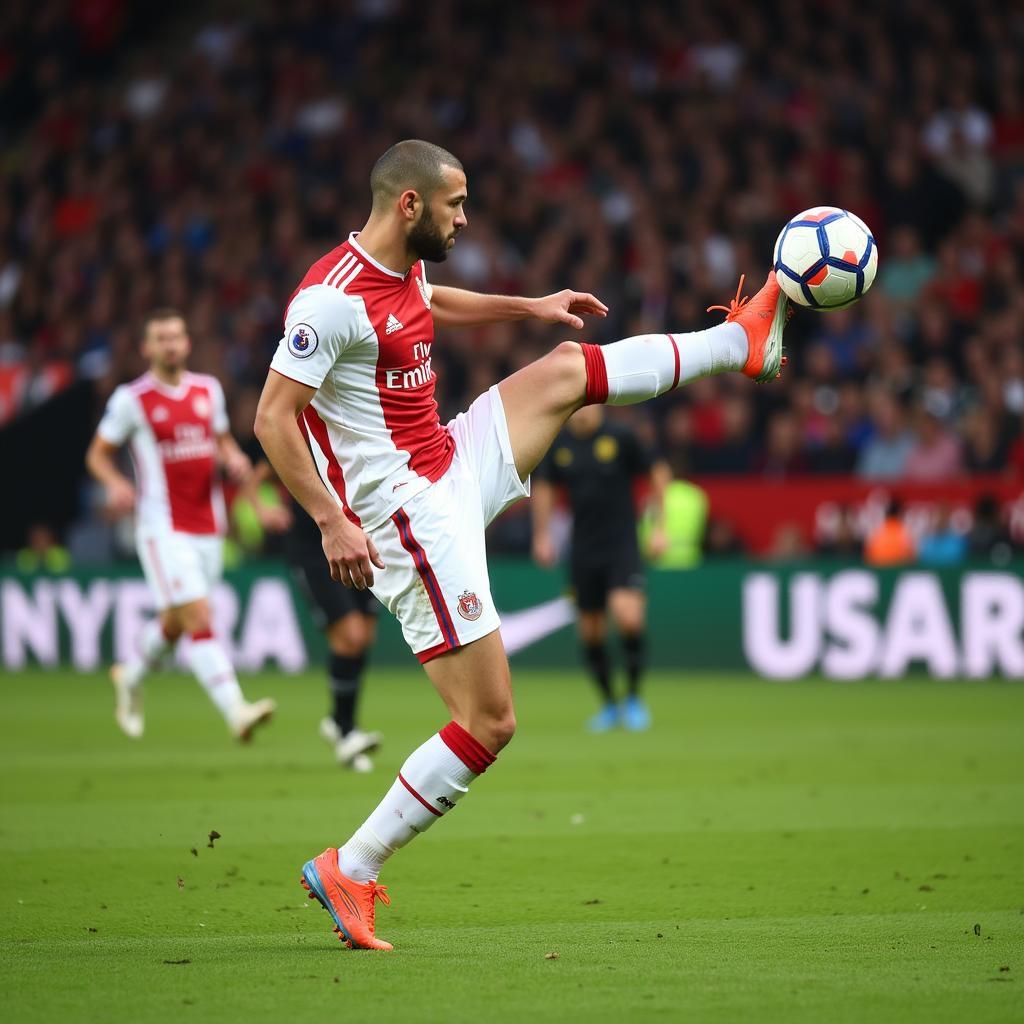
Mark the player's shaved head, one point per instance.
(412, 164)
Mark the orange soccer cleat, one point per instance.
(350, 903)
(763, 318)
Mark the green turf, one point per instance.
(810, 852)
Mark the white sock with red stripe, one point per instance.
(637, 369)
(212, 667)
(152, 646)
(431, 782)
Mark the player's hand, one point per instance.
(657, 544)
(275, 518)
(544, 552)
(237, 465)
(568, 307)
(350, 554)
(120, 498)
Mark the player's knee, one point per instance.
(502, 728)
(569, 368)
(195, 618)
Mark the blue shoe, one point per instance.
(635, 716)
(605, 720)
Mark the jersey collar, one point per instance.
(169, 390)
(369, 259)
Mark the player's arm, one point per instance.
(661, 477)
(119, 422)
(456, 307)
(273, 516)
(349, 552)
(542, 507)
(236, 463)
(100, 461)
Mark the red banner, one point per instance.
(759, 509)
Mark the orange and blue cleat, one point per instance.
(763, 318)
(350, 903)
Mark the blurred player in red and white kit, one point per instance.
(177, 426)
(348, 419)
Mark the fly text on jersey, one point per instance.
(190, 442)
(416, 377)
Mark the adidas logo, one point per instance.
(393, 324)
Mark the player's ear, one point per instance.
(409, 203)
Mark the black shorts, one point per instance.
(328, 600)
(593, 578)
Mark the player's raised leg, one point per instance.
(539, 398)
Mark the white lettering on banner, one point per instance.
(849, 596)
(85, 614)
(918, 629)
(271, 630)
(132, 607)
(992, 624)
(766, 651)
(29, 624)
(31, 620)
(836, 626)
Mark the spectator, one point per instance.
(989, 538)
(935, 453)
(890, 543)
(945, 543)
(884, 455)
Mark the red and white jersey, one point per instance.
(362, 336)
(173, 435)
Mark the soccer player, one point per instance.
(177, 426)
(347, 617)
(597, 462)
(402, 501)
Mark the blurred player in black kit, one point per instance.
(346, 617)
(597, 461)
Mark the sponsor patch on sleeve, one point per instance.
(302, 341)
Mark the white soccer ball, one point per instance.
(825, 258)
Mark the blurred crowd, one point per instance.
(649, 153)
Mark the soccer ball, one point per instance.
(825, 258)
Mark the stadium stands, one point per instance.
(204, 159)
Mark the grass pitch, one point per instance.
(810, 852)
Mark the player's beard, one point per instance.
(426, 240)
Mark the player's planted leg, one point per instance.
(155, 642)
(212, 667)
(475, 684)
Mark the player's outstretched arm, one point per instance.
(99, 460)
(456, 307)
(349, 552)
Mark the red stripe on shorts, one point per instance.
(433, 588)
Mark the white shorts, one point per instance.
(180, 567)
(435, 581)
